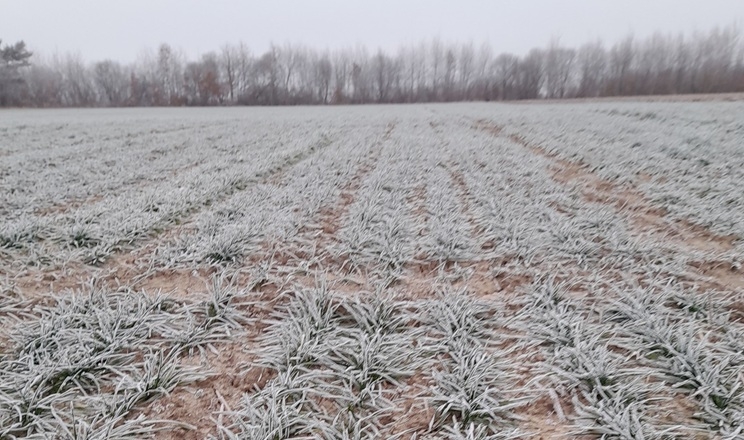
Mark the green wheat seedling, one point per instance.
(589, 364)
(13, 304)
(21, 232)
(217, 319)
(81, 364)
(347, 425)
(552, 324)
(685, 358)
(474, 431)
(623, 415)
(377, 313)
(281, 410)
(104, 427)
(161, 372)
(365, 363)
(584, 359)
(476, 387)
(457, 318)
(710, 307)
(298, 332)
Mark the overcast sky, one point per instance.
(121, 30)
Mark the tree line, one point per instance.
(432, 71)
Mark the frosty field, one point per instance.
(463, 271)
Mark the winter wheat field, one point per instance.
(464, 271)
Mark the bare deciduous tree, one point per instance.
(429, 71)
(505, 71)
(111, 80)
(530, 75)
(203, 84)
(323, 75)
(558, 70)
(592, 69)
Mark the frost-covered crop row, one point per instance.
(79, 366)
(273, 211)
(92, 231)
(378, 230)
(446, 272)
(686, 157)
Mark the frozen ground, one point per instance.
(465, 271)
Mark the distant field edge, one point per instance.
(690, 97)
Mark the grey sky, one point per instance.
(121, 30)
